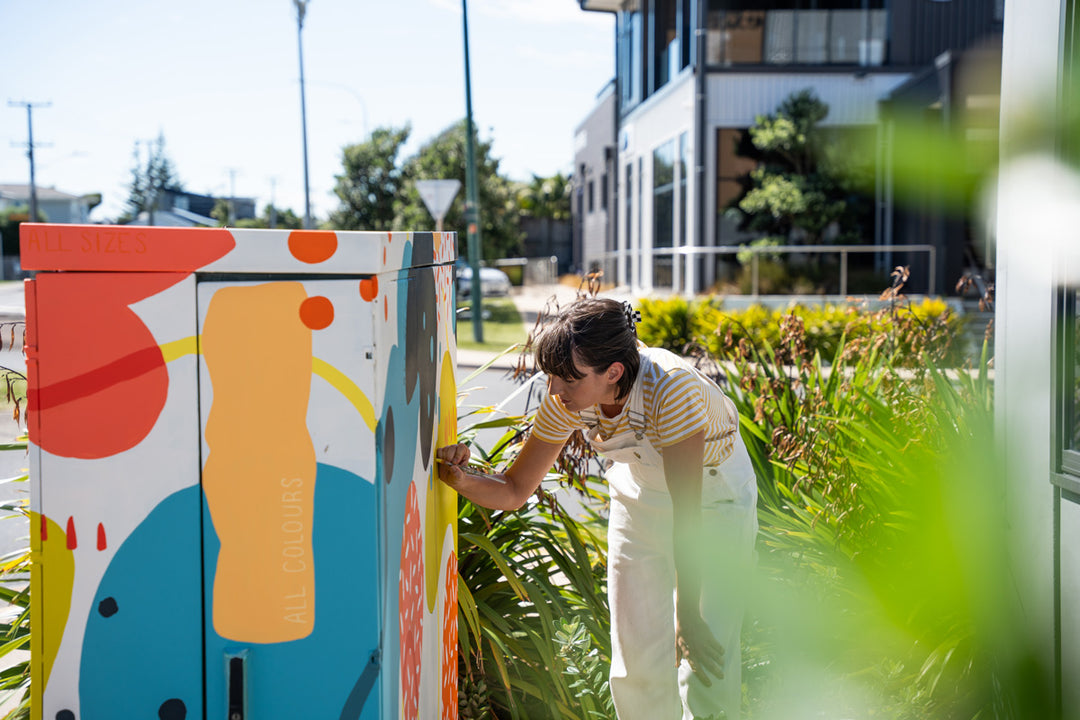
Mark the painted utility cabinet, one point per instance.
(235, 512)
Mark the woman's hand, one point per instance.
(451, 459)
(695, 643)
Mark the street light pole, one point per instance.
(472, 209)
(301, 10)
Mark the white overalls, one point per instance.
(641, 573)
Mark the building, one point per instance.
(54, 205)
(1037, 407)
(179, 208)
(662, 169)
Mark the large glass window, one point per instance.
(629, 193)
(664, 195)
(785, 32)
(683, 170)
(663, 210)
(666, 53)
(1067, 312)
(630, 43)
(1068, 381)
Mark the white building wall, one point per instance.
(1030, 76)
(736, 99)
(666, 115)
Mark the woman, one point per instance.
(683, 506)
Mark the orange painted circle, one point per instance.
(369, 288)
(317, 312)
(312, 246)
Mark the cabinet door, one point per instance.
(287, 405)
(419, 412)
(116, 581)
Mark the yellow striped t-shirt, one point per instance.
(678, 402)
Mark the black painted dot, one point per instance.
(388, 446)
(172, 710)
(108, 607)
(65, 715)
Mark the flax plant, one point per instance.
(884, 589)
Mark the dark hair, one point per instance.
(600, 331)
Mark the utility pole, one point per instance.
(472, 210)
(150, 188)
(301, 10)
(273, 204)
(30, 149)
(232, 198)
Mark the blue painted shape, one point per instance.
(142, 652)
(404, 410)
(315, 676)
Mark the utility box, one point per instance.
(235, 511)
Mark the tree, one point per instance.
(149, 180)
(10, 220)
(444, 158)
(284, 219)
(546, 197)
(370, 182)
(806, 185)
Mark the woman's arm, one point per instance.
(521, 478)
(683, 467)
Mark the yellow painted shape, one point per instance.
(341, 382)
(441, 504)
(179, 348)
(259, 476)
(52, 577)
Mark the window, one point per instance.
(629, 47)
(1066, 351)
(603, 191)
(785, 32)
(591, 197)
(629, 193)
(1067, 354)
(663, 210)
(684, 169)
(664, 195)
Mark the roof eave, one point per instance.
(601, 5)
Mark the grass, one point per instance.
(502, 326)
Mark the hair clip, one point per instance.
(632, 316)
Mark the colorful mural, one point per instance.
(232, 478)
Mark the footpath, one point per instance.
(530, 301)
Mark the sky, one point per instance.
(219, 79)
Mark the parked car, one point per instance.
(492, 280)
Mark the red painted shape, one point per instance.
(101, 545)
(72, 542)
(134, 365)
(123, 247)
(101, 380)
(44, 528)
(369, 288)
(317, 312)
(312, 246)
(411, 604)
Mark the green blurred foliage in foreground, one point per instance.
(884, 590)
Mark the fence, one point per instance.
(756, 252)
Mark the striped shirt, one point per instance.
(678, 403)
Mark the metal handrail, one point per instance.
(844, 250)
